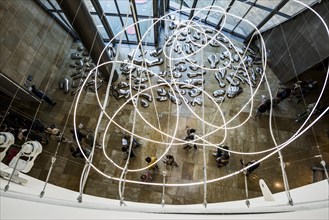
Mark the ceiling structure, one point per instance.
(263, 14)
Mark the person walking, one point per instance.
(263, 107)
(190, 138)
(151, 161)
(125, 148)
(170, 160)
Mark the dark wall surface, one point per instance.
(32, 44)
(298, 44)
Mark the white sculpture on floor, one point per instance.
(6, 140)
(23, 161)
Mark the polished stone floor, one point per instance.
(245, 135)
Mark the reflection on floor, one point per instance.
(253, 135)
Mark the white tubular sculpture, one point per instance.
(6, 140)
(23, 161)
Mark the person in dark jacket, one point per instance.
(252, 168)
(40, 94)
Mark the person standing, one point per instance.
(135, 142)
(125, 147)
(151, 161)
(263, 107)
(283, 93)
(170, 160)
(190, 138)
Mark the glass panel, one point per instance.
(46, 4)
(175, 4)
(200, 5)
(116, 26)
(238, 9)
(214, 17)
(255, 16)
(61, 20)
(271, 4)
(100, 26)
(124, 6)
(131, 31)
(144, 26)
(109, 6)
(144, 7)
(62, 14)
(292, 7)
(55, 4)
(275, 20)
(89, 5)
(187, 4)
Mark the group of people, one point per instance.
(153, 166)
(299, 90)
(169, 158)
(25, 129)
(310, 107)
(223, 158)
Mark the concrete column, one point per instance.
(78, 15)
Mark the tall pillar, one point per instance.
(78, 15)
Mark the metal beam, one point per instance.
(251, 6)
(212, 4)
(167, 5)
(265, 8)
(121, 20)
(136, 24)
(227, 10)
(192, 11)
(162, 12)
(156, 14)
(78, 14)
(103, 18)
(267, 18)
